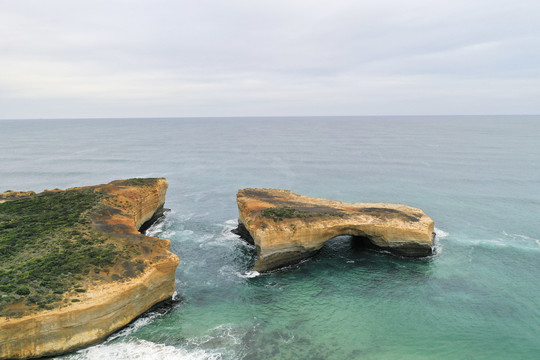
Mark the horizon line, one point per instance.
(258, 116)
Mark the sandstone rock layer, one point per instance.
(287, 227)
(107, 306)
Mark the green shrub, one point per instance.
(23, 290)
(287, 212)
(138, 182)
(47, 241)
(9, 288)
(34, 299)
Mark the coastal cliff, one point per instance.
(286, 227)
(99, 271)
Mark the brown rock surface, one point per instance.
(13, 195)
(286, 227)
(106, 305)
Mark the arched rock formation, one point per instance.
(287, 227)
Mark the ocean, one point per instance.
(477, 177)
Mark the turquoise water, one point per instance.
(478, 297)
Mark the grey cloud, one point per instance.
(214, 58)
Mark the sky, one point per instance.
(120, 58)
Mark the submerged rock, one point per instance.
(115, 272)
(286, 227)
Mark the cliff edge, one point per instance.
(76, 266)
(286, 227)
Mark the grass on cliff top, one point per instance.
(47, 245)
(287, 212)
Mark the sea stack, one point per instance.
(85, 271)
(286, 227)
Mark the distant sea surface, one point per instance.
(478, 178)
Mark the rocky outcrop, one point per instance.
(286, 227)
(106, 306)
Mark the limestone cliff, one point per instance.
(142, 275)
(286, 227)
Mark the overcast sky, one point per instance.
(67, 58)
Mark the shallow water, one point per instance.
(477, 177)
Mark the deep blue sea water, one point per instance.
(478, 297)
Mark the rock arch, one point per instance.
(286, 227)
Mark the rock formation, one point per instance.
(114, 296)
(286, 227)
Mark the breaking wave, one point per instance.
(441, 234)
(141, 349)
(162, 226)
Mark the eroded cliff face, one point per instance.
(142, 205)
(107, 305)
(286, 227)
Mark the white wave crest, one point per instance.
(232, 223)
(441, 234)
(134, 326)
(162, 226)
(248, 275)
(141, 349)
(224, 238)
(227, 227)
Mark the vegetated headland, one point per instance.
(72, 260)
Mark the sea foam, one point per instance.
(142, 349)
(249, 274)
(162, 226)
(441, 234)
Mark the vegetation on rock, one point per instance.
(138, 182)
(48, 247)
(287, 212)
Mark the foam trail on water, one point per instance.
(515, 241)
(224, 336)
(521, 240)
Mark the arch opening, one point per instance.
(342, 245)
